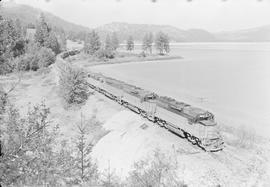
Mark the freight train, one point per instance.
(196, 125)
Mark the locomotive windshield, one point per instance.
(205, 116)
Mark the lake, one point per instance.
(232, 80)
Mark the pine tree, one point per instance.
(162, 43)
(130, 43)
(147, 42)
(115, 41)
(144, 43)
(62, 40)
(42, 30)
(28, 154)
(20, 43)
(92, 43)
(108, 43)
(8, 40)
(52, 43)
(87, 171)
(150, 42)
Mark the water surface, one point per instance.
(232, 80)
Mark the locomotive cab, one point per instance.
(148, 96)
(212, 140)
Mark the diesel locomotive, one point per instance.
(196, 125)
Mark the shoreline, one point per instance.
(86, 63)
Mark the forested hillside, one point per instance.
(138, 31)
(28, 16)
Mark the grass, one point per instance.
(241, 137)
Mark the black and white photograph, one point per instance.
(135, 93)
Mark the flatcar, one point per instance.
(196, 125)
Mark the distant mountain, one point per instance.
(138, 31)
(28, 14)
(258, 34)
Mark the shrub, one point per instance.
(241, 137)
(3, 100)
(39, 58)
(73, 85)
(4, 97)
(105, 54)
(245, 137)
(52, 43)
(46, 57)
(27, 62)
(157, 171)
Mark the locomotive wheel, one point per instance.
(198, 141)
(160, 123)
(191, 138)
(151, 119)
(181, 133)
(143, 114)
(165, 125)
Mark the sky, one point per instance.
(212, 15)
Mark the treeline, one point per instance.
(19, 51)
(161, 42)
(107, 49)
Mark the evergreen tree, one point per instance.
(130, 43)
(87, 171)
(162, 43)
(18, 28)
(108, 43)
(63, 40)
(147, 42)
(92, 43)
(144, 43)
(115, 41)
(20, 44)
(52, 43)
(42, 31)
(150, 42)
(28, 154)
(9, 37)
